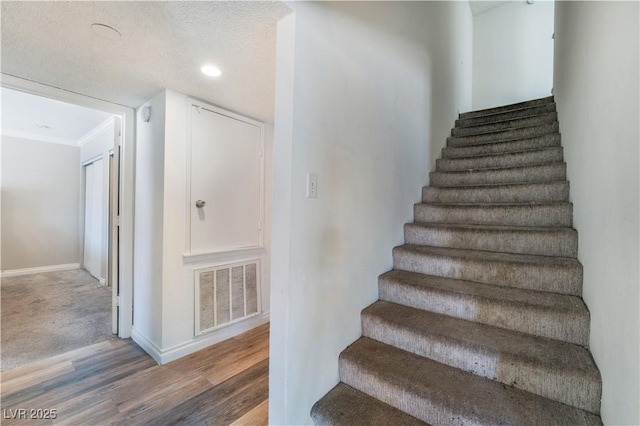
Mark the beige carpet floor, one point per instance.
(51, 313)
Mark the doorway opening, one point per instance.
(72, 267)
(101, 209)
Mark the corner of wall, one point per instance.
(149, 199)
(281, 218)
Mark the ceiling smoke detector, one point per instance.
(105, 31)
(43, 126)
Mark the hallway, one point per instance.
(115, 382)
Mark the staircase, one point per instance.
(481, 319)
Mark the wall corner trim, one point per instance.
(91, 134)
(146, 344)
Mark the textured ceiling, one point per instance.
(163, 45)
(481, 6)
(34, 117)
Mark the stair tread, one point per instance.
(542, 130)
(344, 405)
(497, 185)
(505, 154)
(517, 106)
(489, 255)
(549, 140)
(548, 353)
(553, 315)
(547, 172)
(502, 160)
(553, 369)
(507, 192)
(509, 204)
(491, 169)
(442, 394)
(511, 295)
(511, 129)
(493, 228)
(488, 132)
(533, 240)
(535, 272)
(506, 115)
(518, 213)
(506, 120)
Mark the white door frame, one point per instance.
(127, 116)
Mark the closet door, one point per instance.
(93, 218)
(226, 183)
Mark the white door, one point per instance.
(226, 183)
(94, 220)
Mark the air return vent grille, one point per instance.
(226, 294)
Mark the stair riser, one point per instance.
(507, 135)
(507, 108)
(539, 142)
(561, 242)
(505, 125)
(559, 215)
(374, 385)
(510, 115)
(567, 387)
(564, 278)
(344, 405)
(546, 173)
(543, 192)
(522, 159)
(553, 324)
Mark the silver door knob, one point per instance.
(200, 204)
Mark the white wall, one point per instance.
(512, 53)
(177, 291)
(365, 97)
(281, 223)
(149, 203)
(167, 294)
(40, 203)
(596, 86)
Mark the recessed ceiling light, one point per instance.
(211, 71)
(105, 31)
(42, 126)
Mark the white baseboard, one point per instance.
(146, 344)
(39, 270)
(103, 282)
(205, 340)
(163, 356)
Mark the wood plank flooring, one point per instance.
(117, 383)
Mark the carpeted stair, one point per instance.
(481, 319)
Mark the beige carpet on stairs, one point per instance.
(481, 320)
(51, 313)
